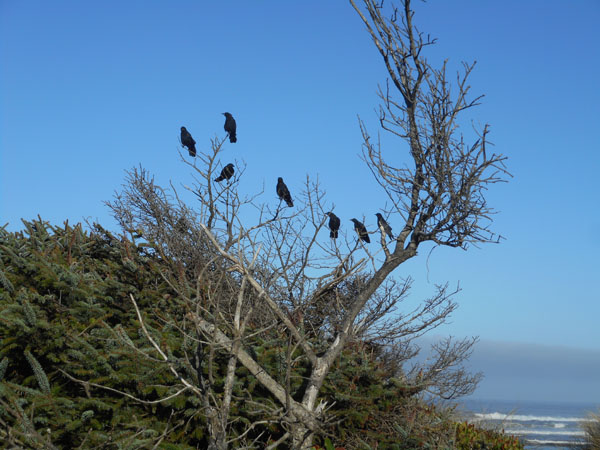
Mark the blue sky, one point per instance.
(90, 89)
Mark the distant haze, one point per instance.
(531, 372)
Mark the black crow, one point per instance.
(188, 141)
(384, 226)
(334, 225)
(230, 127)
(226, 173)
(361, 230)
(283, 192)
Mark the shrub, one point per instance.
(472, 437)
(592, 431)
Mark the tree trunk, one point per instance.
(302, 437)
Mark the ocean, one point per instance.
(541, 426)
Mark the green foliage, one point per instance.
(3, 366)
(327, 445)
(65, 313)
(5, 282)
(469, 436)
(65, 309)
(376, 410)
(39, 373)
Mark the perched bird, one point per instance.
(384, 226)
(188, 141)
(361, 230)
(283, 192)
(230, 127)
(226, 173)
(334, 225)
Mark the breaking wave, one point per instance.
(525, 418)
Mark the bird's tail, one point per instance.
(289, 203)
(192, 151)
(219, 178)
(333, 234)
(232, 138)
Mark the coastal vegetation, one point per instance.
(73, 373)
(591, 427)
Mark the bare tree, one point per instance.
(250, 270)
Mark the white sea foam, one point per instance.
(524, 418)
(545, 433)
(558, 425)
(554, 443)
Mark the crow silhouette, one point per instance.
(188, 141)
(230, 127)
(283, 192)
(226, 173)
(384, 226)
(334, 225)
(361, 230)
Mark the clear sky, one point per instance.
(90, 89)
